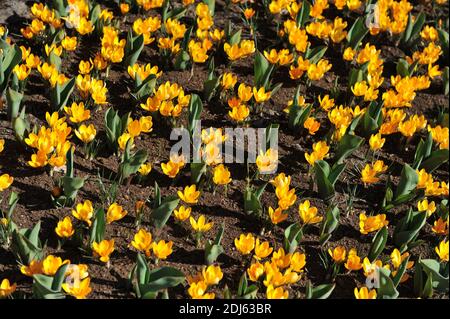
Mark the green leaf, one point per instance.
(214, 249)
(440, 277)
(408, 228)
(142, 269)
(235, 38)
(413, 29)
(436, 159)
(324, 186)
(303, 14)
(197, 171)
(315, 54)
(271, 134)
(13, 200)
(211, 5)
(162, 278)
(157, 199)
(262, 70)
(292, 237)
(146, 88)
(347, 145)
(418, 279)
(355, 76)
(319, 292)
(242, 287)
(27, 247)
(400, 271)
(98, 227)
(71, 186)
(387, 288)
(330, 224)
(195, 109)
(372, 119)
(133, 48)
(182, 60)
(161, 215)
(356, 33)
(445, 79)
(131, 165)
(423, 150)
(12, 55)
(403, 68)
(378, 244)
(14, 99)
(55, 60)
(252, 204)
(443, 39)
(210, 88)
(60, 94)
(408, 181)
(115, 126)
(59, 277)
(298, 115)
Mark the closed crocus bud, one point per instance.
(146, 124)
(255, 271)
(124, 8)
(338, 254)
(221, 175)
(64, 229)
(245, 243)
(298, 261)
(5, 181)
(22, 71)
(349, 54)
(142, 241)
(212, 275)
(6, 288)
(229, 81)
(85, 67)
(86, 133)
(442, 250)
(353, 261)
(426, 206)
